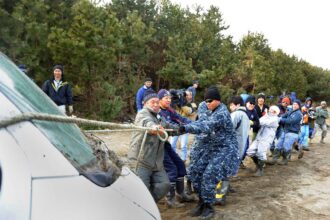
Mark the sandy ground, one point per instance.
(300, 190)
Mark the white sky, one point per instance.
(298, 27)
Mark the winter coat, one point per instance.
(171, 116)
(268, 127)
(62, 95)
(215, 138)
(305, 117)
(321, 115)
(139, 97)
(192, 89)
(152, 154)
(291, 121)
(261, 111)
(283, 110)
(241, 124)
(253, 116)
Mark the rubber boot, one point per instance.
(170, 198)
(221, 192)
(197, 211)
(271, 152)
(301, 152)
(289, 156)
(322, 140)
(285, 159)
(255, 160)
(306, 148)
(260, 168)
(208, 212)
(296, 146)
(181, 195)
(275, 157)
(189, 188)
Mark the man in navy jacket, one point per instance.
(59, 90)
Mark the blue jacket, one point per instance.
(193, 92)
(171, 116)
(139, 97)
(291, 121)
(63, 96)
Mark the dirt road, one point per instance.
(300, 190)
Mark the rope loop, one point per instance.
(163, 139)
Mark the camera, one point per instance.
(178, 98)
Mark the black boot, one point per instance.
(208, 211)
(276, 155)
(170, 198)
(272, 147)
(255, 160)
(260, 168)
(301, 152)
(181, 195)
(285, 159)
(197, 211)
(189, 188)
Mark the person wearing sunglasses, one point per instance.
(219, 159)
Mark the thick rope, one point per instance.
(80, 121)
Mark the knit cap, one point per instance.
(212, 93)
(162, 93)
(149, 94)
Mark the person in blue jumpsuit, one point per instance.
(215, 155)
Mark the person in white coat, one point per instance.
(266, 134)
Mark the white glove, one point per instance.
(70, 108)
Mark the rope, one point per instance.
(80, 121)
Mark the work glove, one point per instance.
(70, 108)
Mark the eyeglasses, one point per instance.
(252, 103)
(208, 100)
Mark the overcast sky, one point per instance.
(298, 27)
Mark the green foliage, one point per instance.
(111, 104)
(108, 50)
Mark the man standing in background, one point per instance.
(193, 89)
(140, 93)
(59, 90)
(320, 122)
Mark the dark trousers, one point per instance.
(174, 165)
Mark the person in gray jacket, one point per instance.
(147, 159)
(241, 122)
(320, 123)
